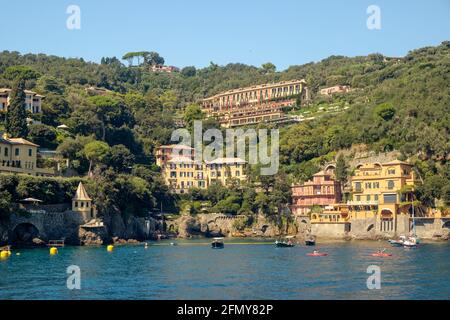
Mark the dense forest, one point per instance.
(396, 104)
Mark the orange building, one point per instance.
(321, 191)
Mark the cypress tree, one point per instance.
(16, 116)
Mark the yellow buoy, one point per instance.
(53, 250)
(110, 248)
(4, 254)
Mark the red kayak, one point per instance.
(381, 255)
(319, 254)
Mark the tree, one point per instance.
(22, 72)
(96, 152)
(191, 113)
(169, 99)
(16, 116)
(104, 106)
(269, 67)
(341, 170)
(120, 158)
(5, 205)
(189, 71)
(44, 136)
(385, 111)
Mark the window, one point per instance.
(390, 198)
(76, 204)
(391, 171)
(375, 197)
(30, 152)
(16, 151)
(358, 198)
(390, 184)
(368, 197)
(358, 186)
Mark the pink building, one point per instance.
(322, 190)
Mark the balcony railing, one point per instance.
(363, 203)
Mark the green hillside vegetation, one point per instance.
(396, 104)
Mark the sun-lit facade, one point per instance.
(382, 191)
(33, 101)
(18, 155)
(251, 105)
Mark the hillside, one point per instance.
(397, 104)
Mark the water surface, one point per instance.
(245, 269)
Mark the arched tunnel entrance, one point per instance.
(24, 233)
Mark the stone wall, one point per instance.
(433, 228)
(330, 230)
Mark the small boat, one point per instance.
(217, 243)
(410, 243)
(397, 243)
(316, 253)
(173, 244)
(381, 254)
(287, 243)
(310, 241)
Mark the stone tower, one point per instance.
(82, 204)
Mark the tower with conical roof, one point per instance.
(82, 203)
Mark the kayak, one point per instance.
(381, 255)
(320, 254)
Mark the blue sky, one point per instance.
(195, 32)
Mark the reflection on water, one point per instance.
(243, 270)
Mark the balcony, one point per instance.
(363, 203)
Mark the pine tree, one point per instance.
(16, 117)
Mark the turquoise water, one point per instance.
(250, 270)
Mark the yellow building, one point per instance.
(182, 173)
(223, 169)
(376, 192)
(82, 204)
(18, 155)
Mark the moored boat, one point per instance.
(310, 241)
(397, 243)
(286, 243)
(217, 243)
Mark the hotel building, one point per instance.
(18, 155)
(33, 101)
(376, 191)
(182, 172)
(321, 191)
(251, 105)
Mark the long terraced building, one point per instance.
(256, 104)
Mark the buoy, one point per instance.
(4, 254)
(53, 250)
(9, 252)
(110, 248)
(18, 254)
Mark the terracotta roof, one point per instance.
(19, 141)
(81, 193)
(396, 162)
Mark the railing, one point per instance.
(363, 203)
